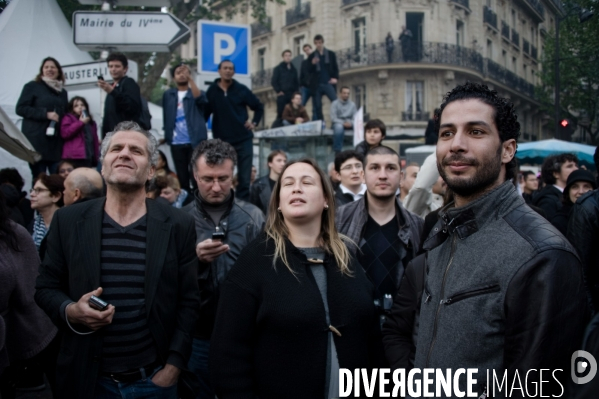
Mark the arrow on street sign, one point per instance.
(128, 31)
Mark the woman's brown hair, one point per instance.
(60, 77)
(329, 239)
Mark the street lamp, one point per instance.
(583, 16)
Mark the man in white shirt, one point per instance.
(349, 166)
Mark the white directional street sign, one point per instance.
(128, 31)
(219, 41)
(87, 73)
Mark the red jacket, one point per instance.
(73, 133)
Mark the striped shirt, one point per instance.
(127, 343)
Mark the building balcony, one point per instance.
(505, 31)
(259, 29)
(525, 46)
(345, 3)
(262, 78)
(465, 4)
(515, 38)
(417, 116)
(490, 18)
(297, 14)
(533, 52)
(533, 8)
(417, 57)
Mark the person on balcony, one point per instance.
(405, 38)
(389, 47)
(324, 75)
(342, 117)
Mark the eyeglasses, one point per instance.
(357, 166)
(37, 190)
(211, 180)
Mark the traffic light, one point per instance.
(566, 129)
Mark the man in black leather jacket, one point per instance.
(216, 210)
(504, 291)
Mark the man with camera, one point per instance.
(225, 225)
(120, 280)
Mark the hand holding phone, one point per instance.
(97, 303)
(218, 236)
(100, 77)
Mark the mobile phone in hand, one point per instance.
(98, 304)
(85, 113)
(100, 77)
(218, 236)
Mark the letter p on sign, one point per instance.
(218, 41)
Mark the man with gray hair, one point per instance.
(225, 225)
(120, 280)
(82, 184)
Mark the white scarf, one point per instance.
(53, 83)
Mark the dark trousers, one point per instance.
(324, 89)
(182, 157)
(245, 154)
(49, 167)
(282, 101)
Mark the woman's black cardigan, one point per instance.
(270, 336)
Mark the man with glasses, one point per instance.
(224, 226)
(349, 167)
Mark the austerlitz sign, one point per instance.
(128, 31)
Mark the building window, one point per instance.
(359, 33)
(360, 97)
(489, 49)
(414, 107)
(533, 36)
(261, 59)
(514, 65)
(298, 43)
(504, 58)
(514, 19)
(524, 71)
(459, 34)
(533, 77)
(490, 3)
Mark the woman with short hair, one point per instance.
(46, 199)
(297, 306)
(42, 104)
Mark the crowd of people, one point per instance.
(138, 282)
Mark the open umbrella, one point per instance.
(535, 152)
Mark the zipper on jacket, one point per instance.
(430, 350)
(468, 294)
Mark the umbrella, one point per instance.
(15, 142)
(535, 152)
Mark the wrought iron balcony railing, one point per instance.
(515, 38)
(489, 17)
(525, 46)
(259, 29)
(418, 116)
(505, 30)
(348, 2)
(297, 14)
(534, 8)
(464, 3)
(420, 53)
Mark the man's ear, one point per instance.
(508, 150)
(78, 195)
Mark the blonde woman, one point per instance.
(296, 306)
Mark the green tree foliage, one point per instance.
(151, 65)
(579, 70)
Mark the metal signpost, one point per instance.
(128, 31)
(218, 41)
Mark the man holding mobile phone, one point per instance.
(225, 225)
(120, 279)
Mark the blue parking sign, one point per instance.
(218, 41)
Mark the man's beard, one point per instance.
(486, 173)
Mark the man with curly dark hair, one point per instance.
(497, 272)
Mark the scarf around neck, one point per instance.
(53, 83)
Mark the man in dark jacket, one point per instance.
(324, 74)
(183, 121)
(386, 234)
(554, 172)
(228, 101)
(305, 78)
(138, 257)
(285, 82)
(497, 272)
(262, 188)
(123, 100)
(530, 187)
(583, 230)
(216, 210)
